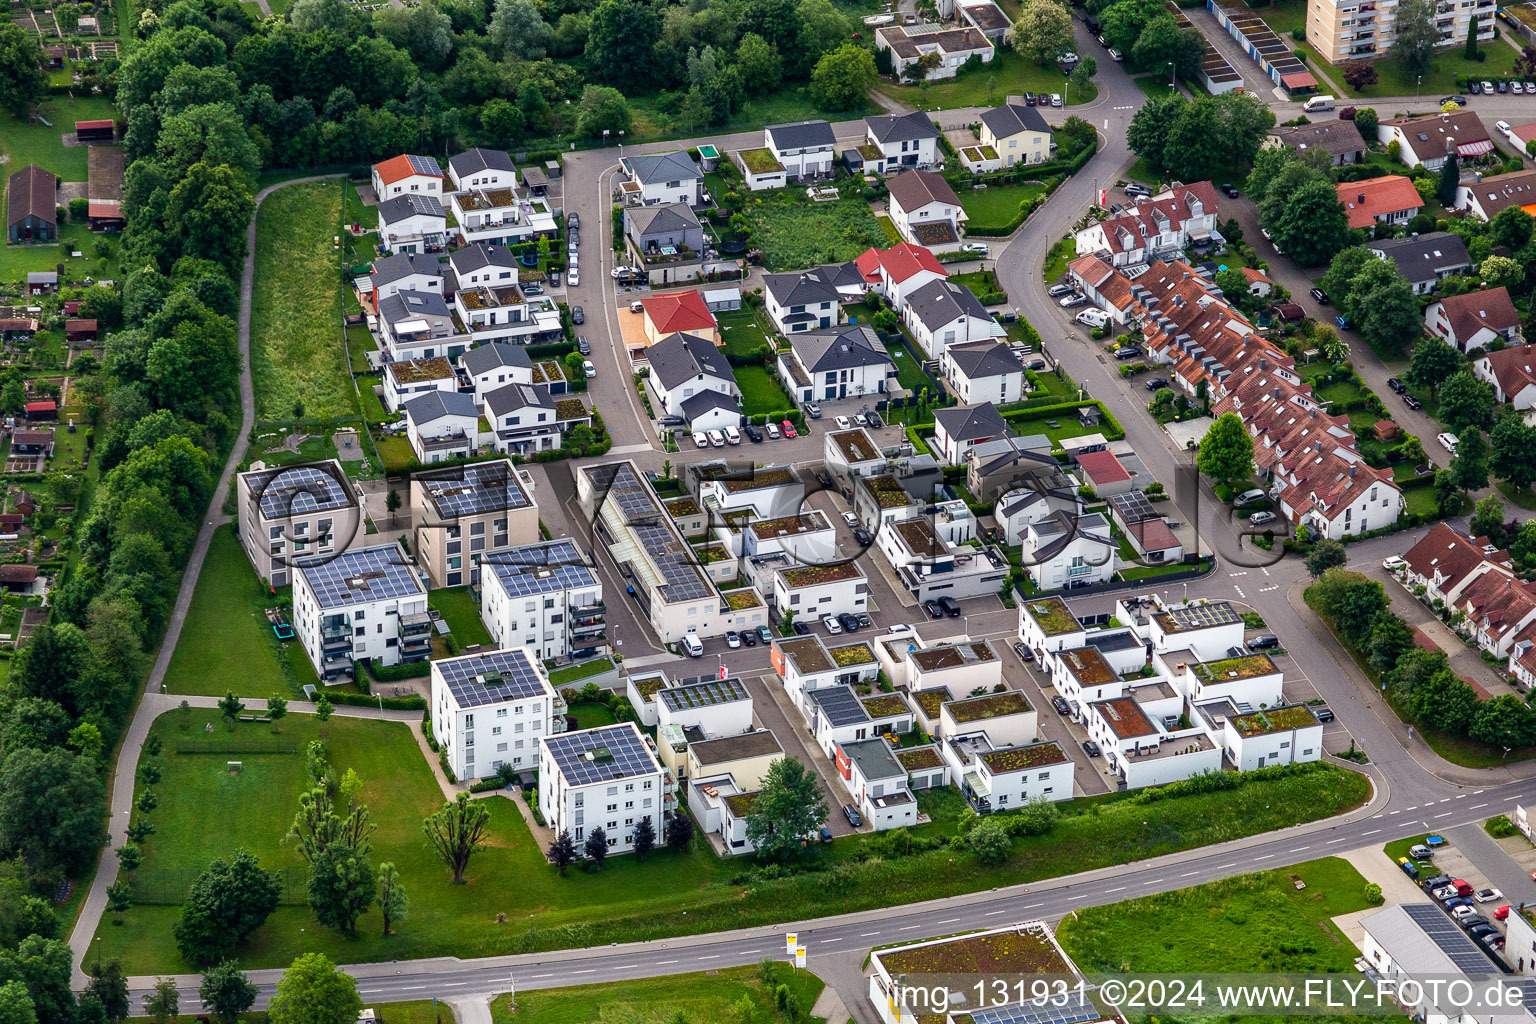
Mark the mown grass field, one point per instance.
(696, 998)
(298, 358)
(991, 84)
(760, 392)
(997, 206)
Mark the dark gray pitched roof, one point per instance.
(941, 302)
(1424, 257)
(409, 205)
(1012, 118)
(649, 168)
(801, 135)
(804, 288)
(984, 359)
(679, 357)
(434, 405)
(1333, 137)
(697, 405)
(402, 265)
(518, 396)
(666, 217)
(901, 127)
(484, 358)
(475, 160)
(841, 348)
(481, 255)
(406, 305)
(968, 422)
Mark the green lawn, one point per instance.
(760, 392)
(990, 85)
(1155, 86)
(297, 354)
(1062, 252)
(359, 343)
(741, 331)
(781, 105)
(418, 1011)
(909, 369)
(592, 715)
(696, 998)
(997, 206)
(795, 233)
(462, 613)
(229, 605)
(1250, 923)
(1392, 80)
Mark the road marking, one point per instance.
(1117, 888)
(865, 935)
(907, 928)
(1267, 856)
(994, 913)
(1032, 906)
(1476, 806)
(1413, 808)
(658, 962)
(1223, 867)
(1371, 832)
(454, 984)
(630, 967)
(1300, 848)
(1189, 874)
(1446, 800)
(551, 975)
(412, 988)
(947, 920)
(712, 956)
(1447, 814)
(593, 970)
(826, 941)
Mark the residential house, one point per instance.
(942, 313)
(1512, 372)
(407, 175)
(32, 444)
(815, 591)
(1104, 474)
(526, 419)
(894, 142)
(1389, 199)
(836, 715)
(481, 168)
(744, 757)
(679, 312)
(1063, 551)
(910, 44)
(405, 380)
(500, 216)
(1427, 139)
(464, 514)
(492, 306)
(843, 362)
(412, 223)
(501, 698)
(652, 179)
(1485, 198)
(721, 807)
(360, 604)
(809, 300)
(1016, 461)
(1259, 283)
(1425, 260)
(481, 265)
(684, 367)
(806, 663)
(1340, 139)
(542, 596)
(994, 777)
(802, 148)
(1142, 750)
(987, 18)
(933, 558)
(1473, 320)
(1171, 221)
(1266, 737)
(760, 169)
(418, 325)
(1150, 535)
(32, 205)
(1445, 560)
(852, 453)
(878, 782)
(1017, 133)
(707, 706)
(606, 778)
(897, 272)
(290, 514)
(667, 240)
(442, 425)
(959, 428)
(404, 272)
(983, 371)
(495, 365)
(926, 210)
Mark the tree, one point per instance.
(1511, 228)
(1503, 721)
(621, 43)
(1312, 225)
(226, 991)
(1162, 43)
(1470, 51)
(230, 707)
(323, 708)
(1381, 304)
(1043, 29)
(1226, 451)
(679, 833)
(596, 847)
(562, 851)
(314, 15)
(1416, 37)
(51, 807)
(1359, 74)
(644, 838)
(1466, 403)
(1389, 639)
(1083, 72)
(119, 896)
(456, 832)
(1444, 702)
(1244, 120)
(161, 1003)
(1501, 271)
(1195, 146)
(342, 883)
(16, 1006)
(519, 30)
(1488, 519)
(23, 82)
(843, 77)
(1325, 555)
(1433, 362)
(602, 109)
(226, 903)
(1152, 125)
(990, 842)
(788, 807)
(1450, 178)
(1513, 443)
(313, 991)
(759, 62)
(1469, 469)
(392, 899)
(277, 707)
(1366, 121)
(110, 987)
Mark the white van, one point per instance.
(732, 435)
(1317, 104)
(693, 646)
(1448, 441)
(1092, 318)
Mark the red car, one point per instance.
(1501, 913)
(788, 428)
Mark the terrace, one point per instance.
(1053, 616)
(854, 444)
(885, 705)
(740, 600)
(852, 654)
(930, 701)
(570, 409)
(807, 653)
(1022, 759)
(1189, 618)
(790, 525)
(920, 539)
(1294, 716)
(678, 508)
(417, 371)
(919, 759)
(952, 655)
(887, 492)
(759, 478)
(761, 161)
(1013, 951)
(742, 804)
(994, 705)
(815, 575)
(1248, 666)
(650, 686)
(548, 371)
(488, 199)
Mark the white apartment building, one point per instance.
(984, 371)
(412, 224)
(812, 591)
(543, 596)
(878, 783)
(605, 778)
(491, 708)
(1347, 30)
(363, 603)
(715, 707)
(1288, 734)
(803, 149)
(292, 513)
(655, 178)
(500, 216)
(464, 513)
(997, 777)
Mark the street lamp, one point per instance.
(1173, 76)
(1418, 80)
(621, 143)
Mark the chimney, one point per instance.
(1351, 470)
(1263, 362)
(1360, 198)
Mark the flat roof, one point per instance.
(1246, 667)
(1088, 666)
(492, 677)
(785, 526)
(545, 568)
(847, 655)
(1187, 618)
(1053, 616)
(816, 575)
(807, 652)
(1021, 759)
(1278, 719)
(655, 535)
(1024, 949)
(604, 754)
(931, 659)
(1119, 640)
(362, 575)
(473, 489)
(885, 705)
(856, 445)
(1124, 717)
(707, 694)
(758, 743)
(840, 705)
(873, 758)
(992, 705)
(929, 701)
(916, 759)
(285, 491)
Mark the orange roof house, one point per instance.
(1390, 199)
(681, 312)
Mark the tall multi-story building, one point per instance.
(364, 603)
(465, 513)
(1347, 30)
(605, 778)
(546, 597)
(492, 708)
(293, 515)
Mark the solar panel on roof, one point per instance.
(1074, 1009)
(1133, 506)
(600, 755)
(1216, 614)
(1447, 935)
(300, 490)
(540, 568)
(491, 487)
(365, 574)
(841, 706)
(685, 581)
(491, 678)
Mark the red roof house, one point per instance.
(899, 270)
(1104, 473)
(43, 409)
(682, 312)
(1390, 199)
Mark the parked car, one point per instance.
(799, 628)
(1462, 912)
(975, 248)
(1392, 563)
(1517, 88)
(700, 439)
(825, 834)
(1487, 895)
(1061, 705)
(863, 537)
(572, 277)
(951, 607)
(578, 315)
(843, 423)
(1447, 440)
(1092, 318)
(823, 479)
(1127, 352)
(1460, 101)
(1420, 852)
(1035, 364)
(583, 346)
(1502, 88)
(753, 434)
(875, 422)
(1073, 301)
(1022, 650)
(1323, 712)
(852, 814)
(1091, 748)
(813, 410)
(1503, 126)
(788, 428)
(1248, 498)
(1487, 85)
(1262, 518)
(588, 368)
(1475, 88)
(833, 626)
(772, 429)
(933, 609)
(1502, 913)
(764, 634)
(1264, 642)
(1412, 403)
(849, 621)
(1475, 921)
(1156, 383)
(850, 519)
(1342, 321)
(732, 638)
(1229, 189)
(748, 638)
(1397, 387)
(716, 439)
(1319, 295)
(865, 622)
(1056, 291)
(732, 435)
(1443, 892)
(1029, 99)
(1055, 99)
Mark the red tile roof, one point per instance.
(14, 573)
(397, 168)
(898, 263)
(1153, 534)
(1103, 467)
(1166, 213)
(1366, 200)
(1447, 555)
(1513, 368)
(679, 312)
(1472, 311)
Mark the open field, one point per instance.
(298, 362)
(697, 998)
(741, 331)
(795, 233)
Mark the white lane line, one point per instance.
(1413, 808)
(1476, 806)
(411, 988)
(712, 956)
(593, 970)
(630, 967)
(907, 928)
(1223, 867)
(1300, 848)
(994, 913)
(865, 935)
(1447, 814)
(827, 941)
(1117, 888)
(1371, 832)
(947, 920)
(551, 975)
(1032, 906)
(454, 984)
(1267, 856)
(1338, 840)
(1189, 874)
(658, 963)
(1446, 800)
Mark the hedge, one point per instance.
(404, 670)
(411, 702)
(1027, 207)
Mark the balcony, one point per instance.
(333, 666)
(335, 634)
